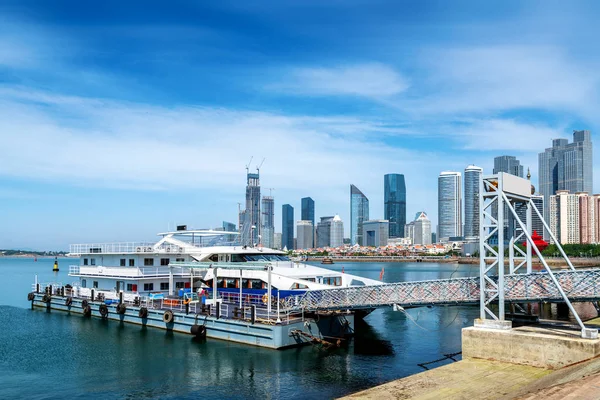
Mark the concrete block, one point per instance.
(588, 333)
(535, 346)
(492, 324)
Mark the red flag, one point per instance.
(381, 274)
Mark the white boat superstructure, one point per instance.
(193, 260)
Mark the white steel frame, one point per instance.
(492, 196)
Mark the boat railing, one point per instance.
(124, 248)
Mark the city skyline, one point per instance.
(147, 119)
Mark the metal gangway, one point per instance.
(502, 197)
(582, 285)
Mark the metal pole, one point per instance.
(170, 281)
(550, 273)
(529, 227)
(511, 255)
(269, 293)
(482, 251)
(500, 265)
(240, 288)
(552, 236)
(215, 286)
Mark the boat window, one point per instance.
(214, 257)
(92, 261)
(179, 285)
(299, 286)
(85, 261)
(180, 259)
(256, 284)
(164, 286)
(246, 283)
(123, 261)
(265, 257)
(95, 284)
(310, 279)
(237, 258)
(83, 283)
(130, 287)
(231, 283)
(338, 281)
(132, 262)
(148, 287)
(164, 261)
(148, 262)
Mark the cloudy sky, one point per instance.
(118, 119)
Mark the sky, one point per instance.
(120, 119)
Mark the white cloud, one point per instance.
(372, 80)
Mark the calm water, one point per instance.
(57, 355)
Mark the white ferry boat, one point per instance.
(192, 281)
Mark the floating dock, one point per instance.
(250, 324)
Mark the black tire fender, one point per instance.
(103, 309)
(168, 316)
(31, 296)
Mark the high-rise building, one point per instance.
(375, 233)
(449, 205)
(422, 229)
(305, 232)
(536, 222)
(337, 232)
(324, 232)
(287, 227)
(409, 230)
(307, 213)
(268, 221)
(508, 164)
(566, 166)
(573, 217)
(277, 241)
(395, 203)
(472, 178)
(250, 229)
(359, 212)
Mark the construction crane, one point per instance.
(260, 165)
(248, 165)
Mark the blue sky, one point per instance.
(120, 118)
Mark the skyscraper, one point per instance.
(449, 205)
(359, 212)
(251, 225)
(472, 178)
(287, 227)
(229, 227)
(307, 213)
(566, 166)
(375, 233)
(395, 203)
(508, 164)
(324, 232)
(268, 221)
(337, 232)
(422, 229)
(305, 231)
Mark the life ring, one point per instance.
(84, 304)
(87, 311)
(69, 301)
(47, 298)
(121, 308)
(168, 249)
(168, 316)
(143, 312)
(103, 309)
(265, 298)
(31, 296)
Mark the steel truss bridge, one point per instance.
(581, 285)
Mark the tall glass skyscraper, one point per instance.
(449, 205)
(359, 212)
(472, 178)
(287, 227)
(395, 203)
(508, 164)
(268, 222)
(566, 166)
(307, 213)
